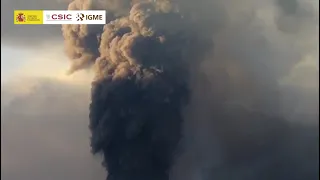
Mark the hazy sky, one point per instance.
(9, 61)
(44, 119)
(44, 116)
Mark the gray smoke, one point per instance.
(165, 99)
(141, 85)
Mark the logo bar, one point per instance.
(74, 17)
(59, 17)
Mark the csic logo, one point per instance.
(82, 17)
(21, 18)
(64, 17)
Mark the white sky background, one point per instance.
(10, 61)
(45, 61)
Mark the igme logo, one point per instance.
(82, 17)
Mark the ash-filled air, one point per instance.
(141, 87)
(192, 90)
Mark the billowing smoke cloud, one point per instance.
(140, 89)
(196, 89)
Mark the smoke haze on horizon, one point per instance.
(37, 142)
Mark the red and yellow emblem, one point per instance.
(21, 18)
(28, 17)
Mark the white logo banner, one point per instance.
(74, 17)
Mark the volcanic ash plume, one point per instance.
(149, 69)
(141, 86)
